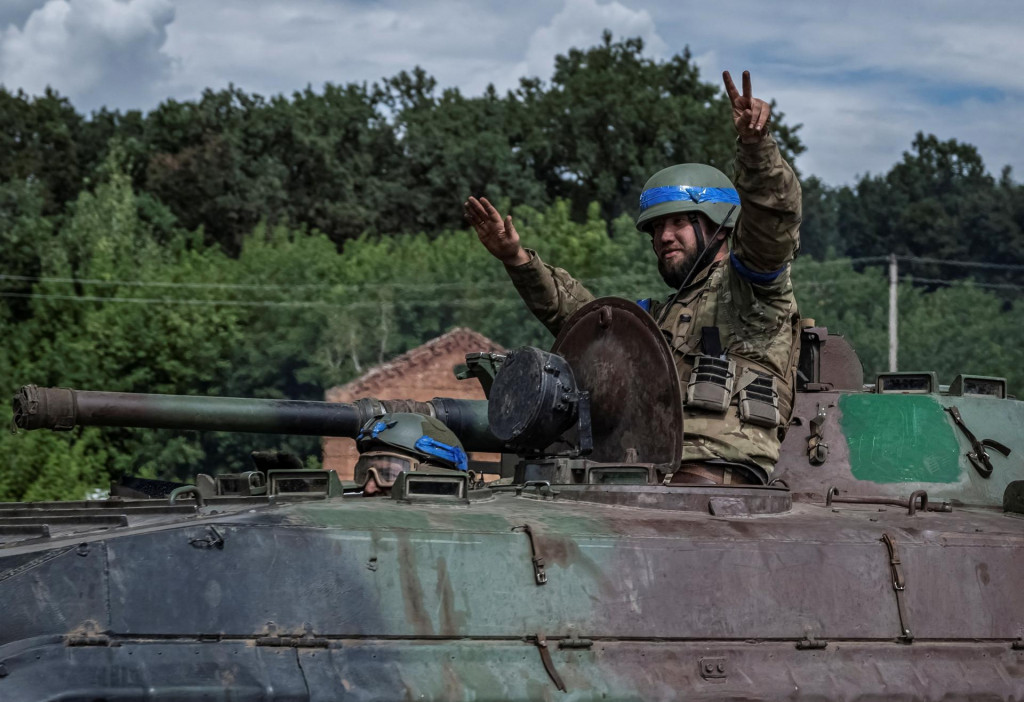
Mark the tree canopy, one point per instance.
(273, 247)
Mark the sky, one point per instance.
(861, 77)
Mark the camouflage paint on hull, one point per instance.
(355, 669)
(376, 599)
(867, 456)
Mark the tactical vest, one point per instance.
(736, 348)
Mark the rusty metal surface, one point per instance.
(692, 498)
(748, 565)
(828, 362)
(497, 669)
(444, 602)
(621, 358)
(811, 481)
(840, 366)
(549, 591)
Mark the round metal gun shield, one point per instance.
(532, 400)
(620, 357)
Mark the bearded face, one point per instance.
(675, 271)
(675, 243)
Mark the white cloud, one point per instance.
(97, 52)
(852, 131)
(17, 11)
(862, 77)
(579, 24)
(281, 47)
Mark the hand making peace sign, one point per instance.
(749, 114)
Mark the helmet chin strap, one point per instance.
(704, 252)
(698, 232)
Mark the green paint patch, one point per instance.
(899, 439)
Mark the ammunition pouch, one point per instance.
(759, 402)
(711, 384)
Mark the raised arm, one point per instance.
(767, 234)
(499, 236)
(550, 293)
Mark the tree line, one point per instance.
(243, 246)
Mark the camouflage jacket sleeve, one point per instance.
(550, 293)
(767, 234)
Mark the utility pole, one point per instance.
(893, 314)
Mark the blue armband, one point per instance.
(754, 276)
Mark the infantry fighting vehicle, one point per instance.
(884, 560)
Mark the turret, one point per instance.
(607, 393)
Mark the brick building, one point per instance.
(421, 374)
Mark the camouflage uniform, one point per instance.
(748, 296)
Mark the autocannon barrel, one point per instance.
(64, 408)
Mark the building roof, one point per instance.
(460, 339)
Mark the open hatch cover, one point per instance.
(620, 357)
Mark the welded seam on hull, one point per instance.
(440, 639)
(108, 611)
(35, 562)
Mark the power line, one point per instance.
(456, 285)
(801, 285)
(234, 286)
(962, 264)
(451, 302)
(460, 285)
(849, 261)
(921, 259)
(445, 302)
(940, 281)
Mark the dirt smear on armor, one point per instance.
(451, 620)
(412, 590)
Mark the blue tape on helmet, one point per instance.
(452, 454)
(645, 304)
(377, 429)
(698, 195)
(754, 276)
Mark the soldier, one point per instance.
(402, 441)
(732, 322)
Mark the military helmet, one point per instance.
(689, 187)
(401, 441)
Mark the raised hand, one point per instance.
(497, 235)
(749, 114)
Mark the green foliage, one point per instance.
(961, 329)
(819, 231)
(48, 466)
(394, 157)
(938, 202)
(952, 330)
(293, 317)
(251, 247)
(40, 141)
(847, 302)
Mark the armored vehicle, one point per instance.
(884, 559)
